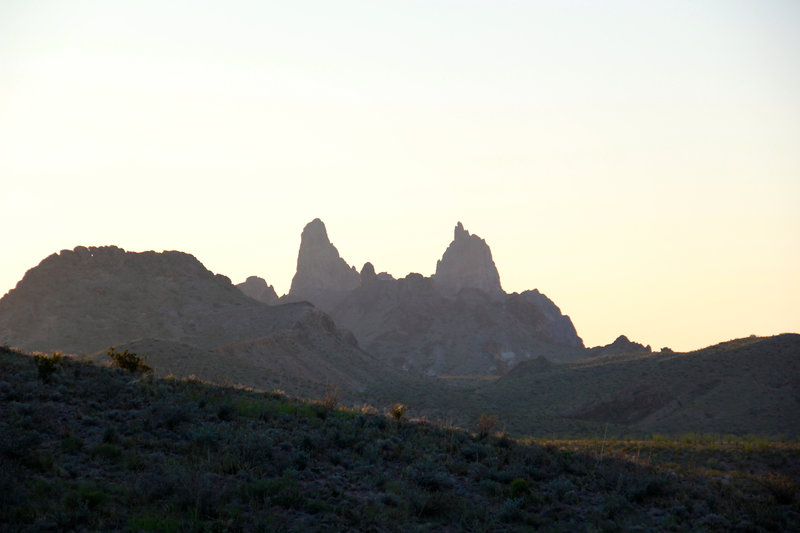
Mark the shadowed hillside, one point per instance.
(749, 385)
(89, 448)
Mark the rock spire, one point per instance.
(319, 267)
(467, 264)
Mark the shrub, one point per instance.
(128, 361)
(332, 398)
(398, 411)
(781, 487)
(486, 425)
(47, 365)
(520, 488)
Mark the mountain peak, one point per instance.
(467, 263)
(319, 266)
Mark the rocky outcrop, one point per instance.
(620, 346)
(467, 264)
(321, 274)
(257, 289)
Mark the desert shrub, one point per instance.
(520, 488)
(398, 411)
(486, 425)
(71, 444)
(783, 489)
(429, 475)
(226, 412)
(332, 398)
(47, 365)
(127, 361)
(511, 510)
(105, 450)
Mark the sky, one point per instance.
(637, 162)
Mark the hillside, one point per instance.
(98, 449)
(749, 385)
(84, 300)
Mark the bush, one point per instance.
(520, 488)
(486, 425)
(128, 361)
(47, 365)
(398, 411)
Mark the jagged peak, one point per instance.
(467, 263)
(319, 266)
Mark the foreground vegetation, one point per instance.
(87, 447)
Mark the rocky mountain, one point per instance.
(257, 289)
(456, 322)
(87, 299)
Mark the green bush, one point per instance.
(520, 488)
(128, 361)
(47, 365)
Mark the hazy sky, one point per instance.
(638, 162)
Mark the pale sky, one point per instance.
(638, 162)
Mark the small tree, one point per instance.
(128, 361)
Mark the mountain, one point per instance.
(87, 299)
(456, 322)
(257, 289)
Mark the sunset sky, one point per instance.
(638, 162)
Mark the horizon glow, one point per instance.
(639, 164)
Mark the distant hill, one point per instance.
(84, 300)
(456, 322)
(749, 385)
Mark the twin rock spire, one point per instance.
(467, 263)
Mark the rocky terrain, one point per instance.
(82, 301)
(456, 322)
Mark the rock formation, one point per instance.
(257, 289)
(321, 274)
(457, 322)
(467, 264)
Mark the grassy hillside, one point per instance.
(93, 448)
